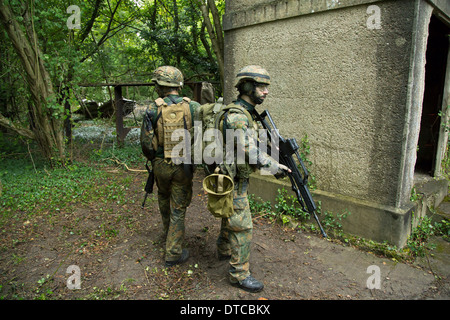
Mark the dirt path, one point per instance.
(119, 251)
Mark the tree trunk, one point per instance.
(176, 27)
(217, 25)
(215, 33)
(47, 120)
(6, 123)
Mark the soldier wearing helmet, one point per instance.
(173, 181)
(167, 77)
(235, 236)
(248, 80)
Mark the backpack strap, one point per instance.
(160, 102)
(239, 108)
(158, 120)
(187, 112)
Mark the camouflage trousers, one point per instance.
(236, 234)
(174, 196)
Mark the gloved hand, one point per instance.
(282, 171)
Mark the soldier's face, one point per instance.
(261, 91)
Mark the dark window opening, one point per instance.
(435, 70)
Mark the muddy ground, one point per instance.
(119, 252)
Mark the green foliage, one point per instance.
(260, 207)
(31, 188)
(29, 191)
(288, 205)
(128, 154)
(418, 243)
(304, 152)
(119, 41)
(333, 224)
(445, 164)
(414, 196)
(11, 145)
(173, 35)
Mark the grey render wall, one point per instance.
(344, 85)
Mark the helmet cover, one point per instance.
(168, 76)
(252, 73)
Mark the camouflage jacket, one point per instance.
(249, 151)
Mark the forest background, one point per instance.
(49, 48)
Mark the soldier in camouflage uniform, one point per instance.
(173, 181)
(236, 232)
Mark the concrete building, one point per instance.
(366, 81)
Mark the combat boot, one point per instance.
(249, 284)
(183, 258)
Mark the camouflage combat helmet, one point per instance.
(168, 76)
(252, 72)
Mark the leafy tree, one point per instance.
(119, 41)
(45, 114)
(176, 32)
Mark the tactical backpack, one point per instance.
(210, 117)
(219, 186)
(158, 133)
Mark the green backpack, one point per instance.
(208, 147)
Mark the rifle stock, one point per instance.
(287, 149)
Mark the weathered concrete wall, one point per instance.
(339, 82)
(356, 91)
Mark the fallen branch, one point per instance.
(125, 165)
(260, 216)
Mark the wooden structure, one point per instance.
(122, 131)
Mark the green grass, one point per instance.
(28, 190)
(31, 187)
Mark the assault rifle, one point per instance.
(287, 148)
(149, 184)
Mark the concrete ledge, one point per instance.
(366, 219)
(433, 190)
(281, 9)
(431, 193)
